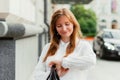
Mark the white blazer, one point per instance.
(78, 62)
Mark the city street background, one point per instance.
(105, 70)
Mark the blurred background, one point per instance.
(24, 30)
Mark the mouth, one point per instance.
(64, 32)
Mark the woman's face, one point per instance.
(64, 28)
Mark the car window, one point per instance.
(107, 35)
(116, 35)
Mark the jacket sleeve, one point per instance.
(82, 62)
(40, 72)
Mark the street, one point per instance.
(105, 70)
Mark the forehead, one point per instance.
(62, 19)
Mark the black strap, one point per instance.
(53, 74)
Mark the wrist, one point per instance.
(63, 63)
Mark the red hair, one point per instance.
(55, 38)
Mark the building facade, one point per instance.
(108, 13)
(24, 27)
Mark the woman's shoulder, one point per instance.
(46, 46)
(45, 49)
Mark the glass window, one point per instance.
(116, 35)
(107, 35)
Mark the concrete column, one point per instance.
(17, 11)
(7, 59)
(18, 50)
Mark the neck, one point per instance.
(65, 40)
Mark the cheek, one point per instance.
(71, 28)
(57, 29)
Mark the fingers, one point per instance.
(51, 63)
(62, 72)
(57, 63)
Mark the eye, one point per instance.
(58, 26)
(67, 24)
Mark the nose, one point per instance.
(64, 28)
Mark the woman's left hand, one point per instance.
(60, 70)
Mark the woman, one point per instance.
(72, 55)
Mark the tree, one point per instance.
(86, 18)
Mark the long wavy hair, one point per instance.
(55, 37)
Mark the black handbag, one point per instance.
(53, 74)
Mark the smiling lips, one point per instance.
(64, 32)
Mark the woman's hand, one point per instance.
(56, 63)
(60, 70)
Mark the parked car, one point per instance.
(107, 43)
